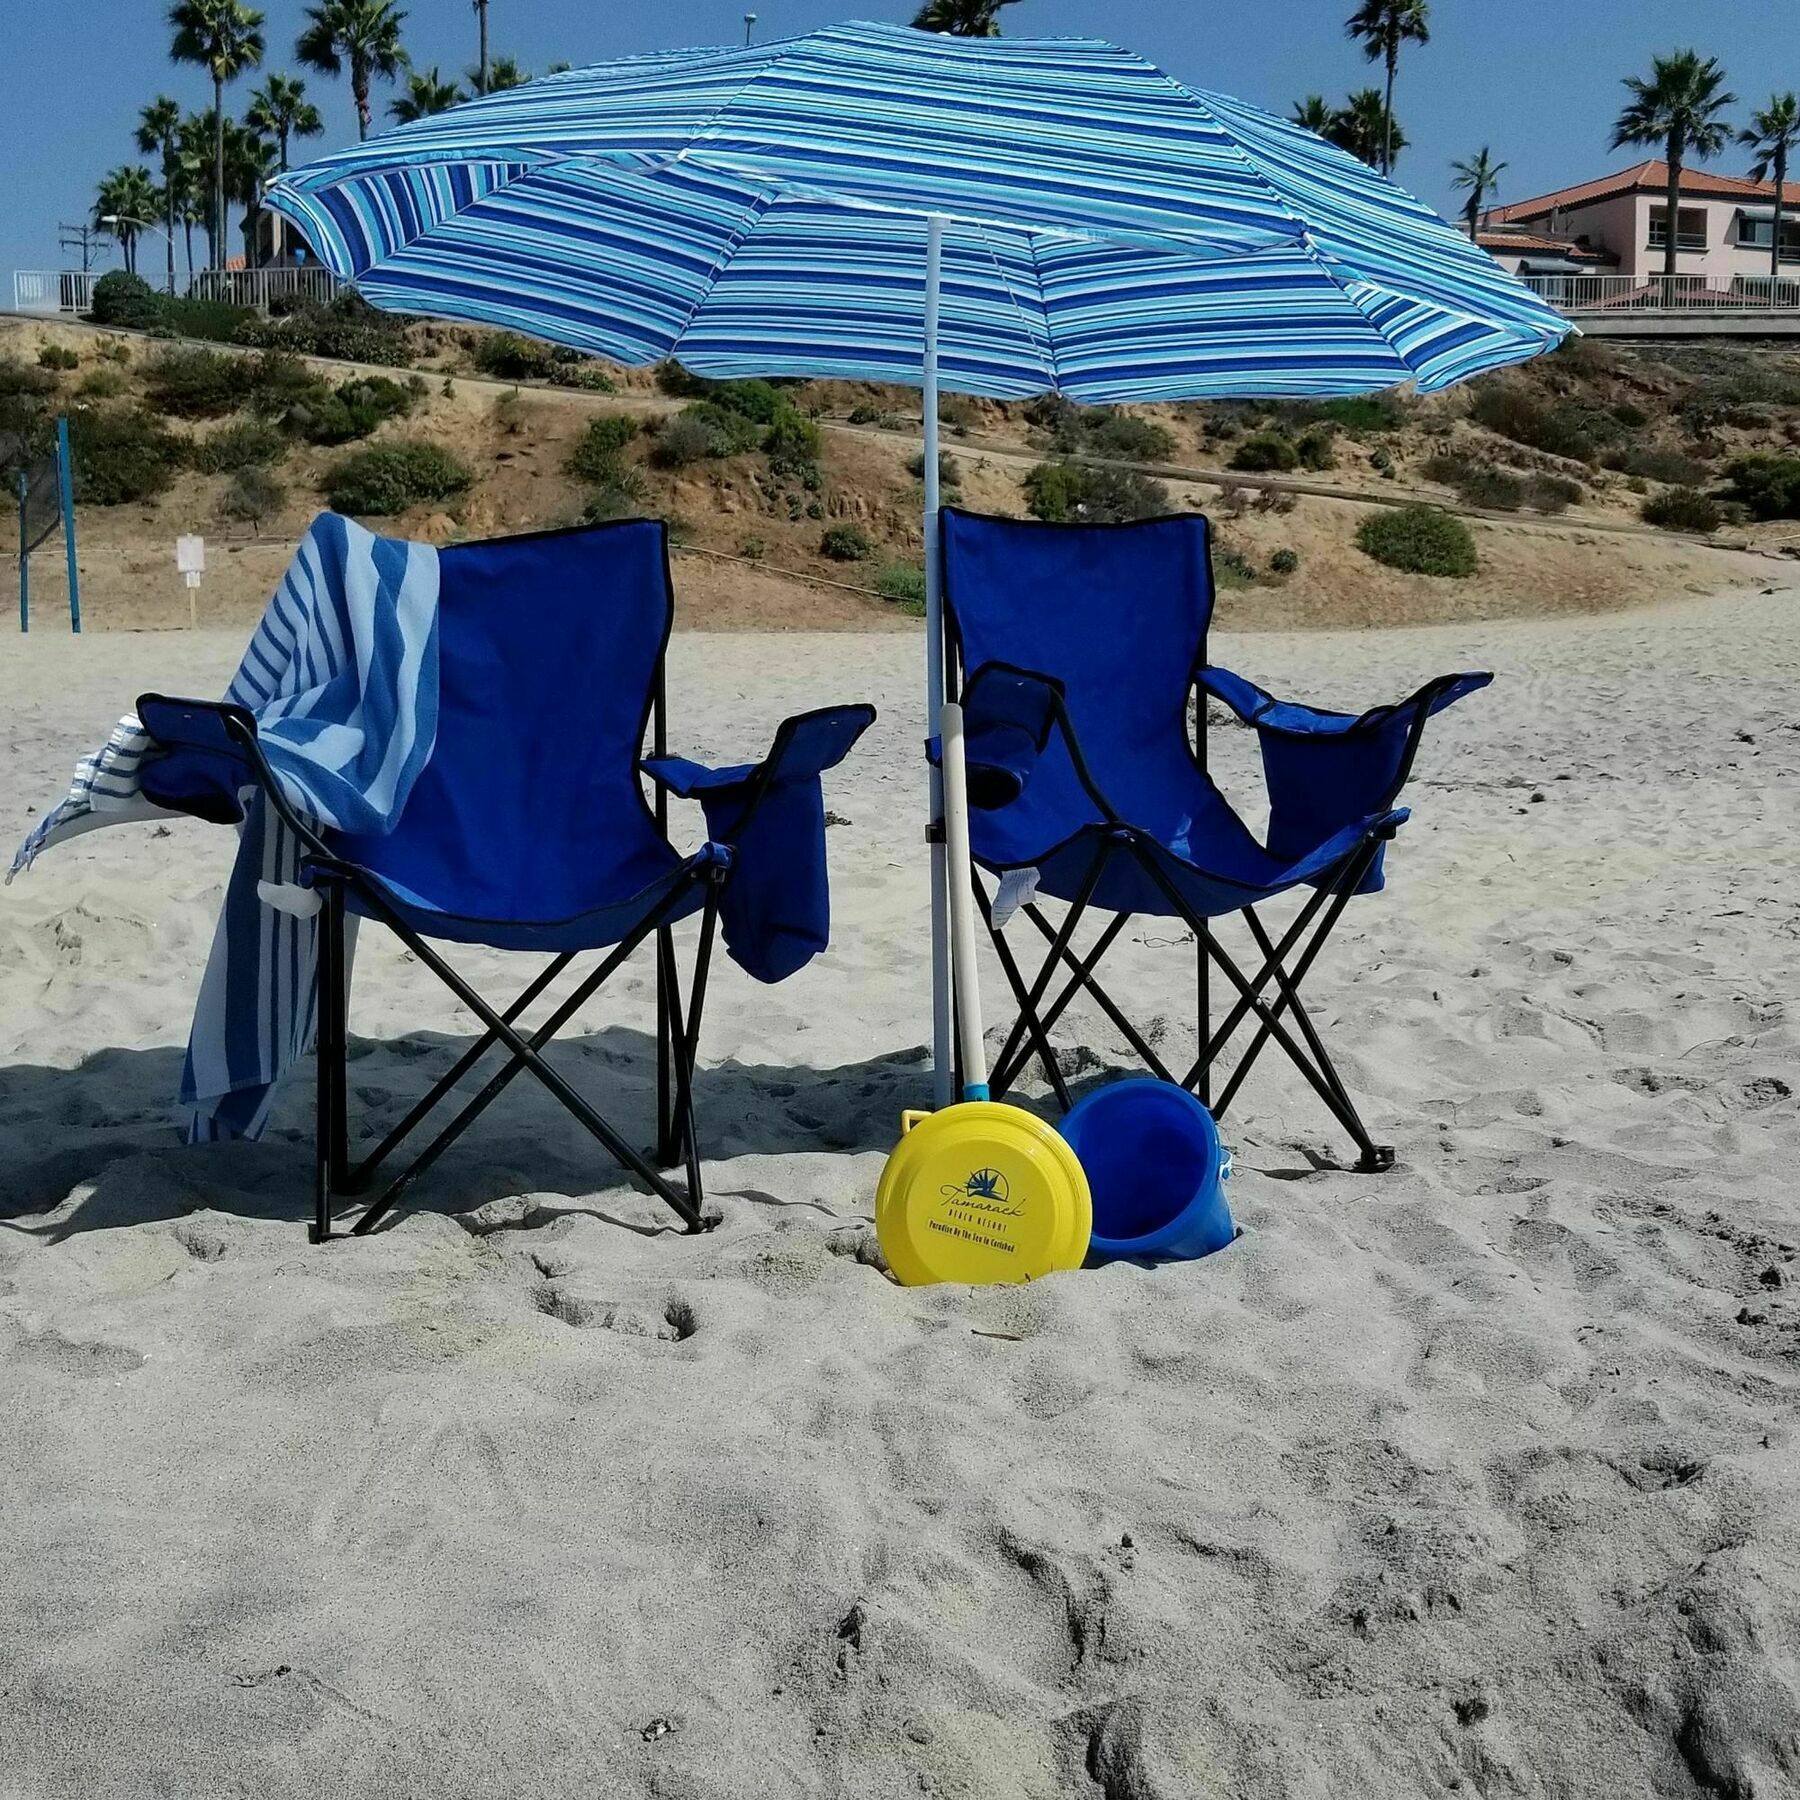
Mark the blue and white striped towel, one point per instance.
(342, 678)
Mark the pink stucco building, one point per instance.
(1618, 226)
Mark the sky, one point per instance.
(1536, 80)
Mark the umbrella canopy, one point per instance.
(1107, 233)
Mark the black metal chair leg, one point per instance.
(328, 1055)
(687, 1052)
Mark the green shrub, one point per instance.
(732, 432)
(353, 409)
(101, 384)
(682, 383)
(1683, 509)
(119, 457)
(218, 321)
(949, 469)
(1101, 431)
(1769, 486)
(619, 495)
(588, 376)
(54, 356)
(1232, 568)
(1421, 540)
(1315, 449)
(596, 456)
(388, 478)
(865, 414)
(1363, 412)
(1656, 463)
(903, 583)
(197, 384)
(684, 441)
(1633, 418)
(752, 549)
(1284, 562)
(345, 327)
(1265, 453)
(1058, 492)
(19, 382)
(251, 496)
(1556, 430)
(758, 400)
(126, 301)
(277, 381)
(846, 543)
(1553, 493)
(242, 445)
(509, 357)
(792, 443)
(1381, 461)
(1477, 483)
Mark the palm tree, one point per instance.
(1772, 134)
(1365, 127)
(961, 18)
(425, 95)
(1313, 114)
(194, 176)
(279, 109)
(503, 72)
(124, 204)
(363, 33)
(225, 38)
(1481, 176)
(1677, 109)
(159, 134)
(481, 67)
(1381, 27)
(249, 165)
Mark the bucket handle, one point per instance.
(909, 1119)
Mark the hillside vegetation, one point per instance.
(449, 432)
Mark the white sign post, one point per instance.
(190, 559)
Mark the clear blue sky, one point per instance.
(1536, 79)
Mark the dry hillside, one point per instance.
(799, 506)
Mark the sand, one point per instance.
(1476, 1478)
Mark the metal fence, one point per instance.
(69, 291)
(1722, 296)
(53, 290)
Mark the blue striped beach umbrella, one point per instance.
(1007, 216)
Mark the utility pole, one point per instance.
(80, 237)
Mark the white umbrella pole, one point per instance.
(943, 1083)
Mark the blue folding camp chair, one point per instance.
(529, 829)
(1081, 646)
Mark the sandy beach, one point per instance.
(1478, 1478)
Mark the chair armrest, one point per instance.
(1008, 716)
(1326, 770)
(211, 750)
(804, 747)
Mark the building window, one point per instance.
(1757, 234)
(1690, 228)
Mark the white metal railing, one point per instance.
(71, 291)
(260, 287)
(53, 290)
(1722, 295)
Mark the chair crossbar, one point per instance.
(335, 1173)
(1285, 962)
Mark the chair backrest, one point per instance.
(1118, 614)
(550, 651)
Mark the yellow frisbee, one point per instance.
(981, 1193)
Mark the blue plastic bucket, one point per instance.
(1157, 1170)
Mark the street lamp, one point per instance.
(116, 219)
(749, 26)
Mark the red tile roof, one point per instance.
(1530, 243)
(1645, 177)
